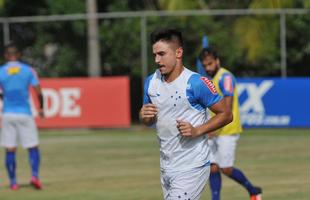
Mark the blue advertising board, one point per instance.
(274, 102)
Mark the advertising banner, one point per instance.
(85, 102)
(274, 102)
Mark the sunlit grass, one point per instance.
(124, 165)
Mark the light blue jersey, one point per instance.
(186, 99)
(15, 80)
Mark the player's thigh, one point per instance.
(28, 132)
(227, 149)
(189, 185)
(8, 131)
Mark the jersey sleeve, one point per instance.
(146, 97)
(227, 84)
(204, 91)
(34, 79)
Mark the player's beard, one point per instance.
(212, 73)
(162, 69)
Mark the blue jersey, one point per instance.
(186, 99)
(15, 80)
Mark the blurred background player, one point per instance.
(17, 120)
(224, 142)
(175, 99)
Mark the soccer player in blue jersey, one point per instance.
(223, 145)
(17, 121)
(175, 100)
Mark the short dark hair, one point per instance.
(169, 35)
(209, 51)
(11, 45)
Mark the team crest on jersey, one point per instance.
(13, 70)
(209, 85)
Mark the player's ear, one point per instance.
(179, 52)
(218, 62)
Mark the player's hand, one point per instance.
(186, 129)
(148, 114)
(212, 134)
(148, 111)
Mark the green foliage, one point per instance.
(258, 36)
(258, 41)
(120, 49)
(67, 38)
(65, 6)
(68, 43)
(306, 4)
(272, 4)
(180, 4)
(248, 45)
(194, 28)
(298, 45)
(121, 5)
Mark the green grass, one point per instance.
(124, 164)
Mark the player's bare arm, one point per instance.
(39, 93)
(148, 114)
(222, 117)
(228, 102)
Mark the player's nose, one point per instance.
(157, 60)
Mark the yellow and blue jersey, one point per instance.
(15, 80)
(225, 84)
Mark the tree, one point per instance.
(258, 38)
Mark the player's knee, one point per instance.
(33, 147)
(214, 168)
(11, 149)
(227, 171)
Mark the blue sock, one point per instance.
(238, 176)
(34, 159)
(10, 163)
(215, 185)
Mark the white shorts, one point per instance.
(18, 127)
(185, 184)
(223, 150)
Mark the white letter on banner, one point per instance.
(69, 106)
(255, 94)
(50, 95)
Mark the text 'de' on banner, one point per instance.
(85, 102)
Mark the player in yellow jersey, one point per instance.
(224, 142)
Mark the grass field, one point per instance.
(124, 165)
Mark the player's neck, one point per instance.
(12, 60)
(217, 70)
(175, 73)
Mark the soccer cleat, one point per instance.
(14, 187)
(35, 182)
(257, 195)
